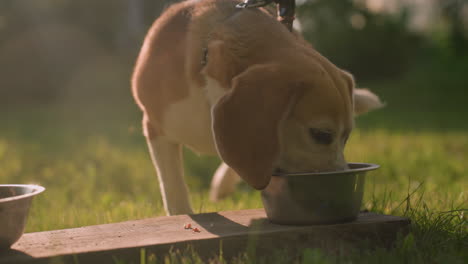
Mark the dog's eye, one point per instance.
(321, 136)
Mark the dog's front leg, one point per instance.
(168, 161)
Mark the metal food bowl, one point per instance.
(15, 200)
(316, 198)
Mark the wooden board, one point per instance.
(236, 230)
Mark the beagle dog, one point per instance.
(236, 83)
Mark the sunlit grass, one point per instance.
(94, 179)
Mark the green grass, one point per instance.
(95, 166)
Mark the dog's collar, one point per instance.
(285, 9)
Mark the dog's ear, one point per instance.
(363, 99)
(246, 122)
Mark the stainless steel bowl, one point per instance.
(316, 198)
(15, 200)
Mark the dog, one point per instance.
(237, 84)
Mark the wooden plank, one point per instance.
(235, 228)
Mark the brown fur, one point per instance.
(156, 80)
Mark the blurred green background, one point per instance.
(68, 121)
(65, 53)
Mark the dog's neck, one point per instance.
(231, 46)
(285, 15)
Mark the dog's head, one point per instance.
(291, 118)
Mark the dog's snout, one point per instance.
(339, 163)
(334, 163)
(342, 166)
(278, 171)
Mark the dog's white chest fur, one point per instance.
(189, 120)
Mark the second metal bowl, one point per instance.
(15, 200)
